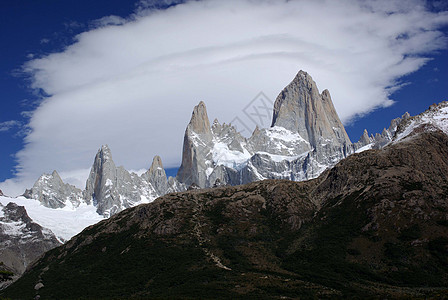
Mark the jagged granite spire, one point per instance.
(108, 187)
(199, 122)
(99, 185)
(156, 176)
(103, 171)
(300, 108)
(112, 188)
(306, 137)
(365, 139)
(197, 139)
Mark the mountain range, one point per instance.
(379, 214)
(373, 226)
(306, 137)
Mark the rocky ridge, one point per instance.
(109, 188)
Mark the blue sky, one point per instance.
(226, 68)
(37, 27)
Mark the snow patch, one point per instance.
(280, 158)
(222, 155)
(284, 134)
(437, 117)
(364, 148)
(208, 172)
(13, 228)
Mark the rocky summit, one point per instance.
(113, 188)
(300, 108)
(373, 226)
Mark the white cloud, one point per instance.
(132, 83)
(107, 21)
(7, 125)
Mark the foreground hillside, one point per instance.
(374, 225)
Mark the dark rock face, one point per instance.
(22, 240)
(375, 225)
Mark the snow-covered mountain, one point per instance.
(434, 118)
(64, 222)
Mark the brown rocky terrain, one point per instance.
(375, 225)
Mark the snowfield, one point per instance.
(63, 222)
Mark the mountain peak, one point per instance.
(300, 108)
(52, 192)
(302, 74)
(55, 175)
(156, 176)
(198, 134)
(104, 152)
(304, 79)
(199, 122)
(156, 164)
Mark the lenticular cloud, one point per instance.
(132, 82)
